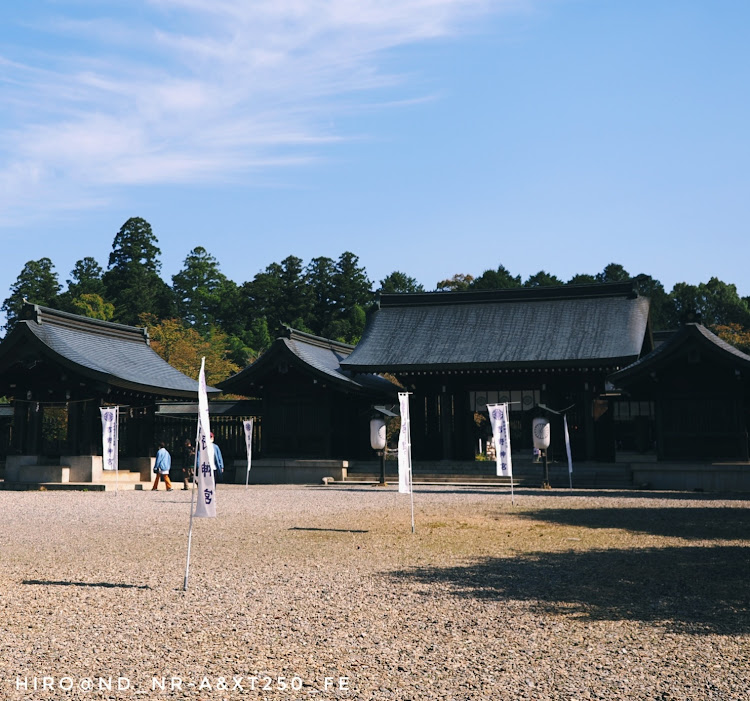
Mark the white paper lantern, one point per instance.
(540, 429)
(377, 433)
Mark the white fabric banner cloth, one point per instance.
(110, 436)
(205, 506)
(567, 444)
(404, 446)
(501, 438)
(248, 426)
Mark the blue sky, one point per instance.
(429, 136)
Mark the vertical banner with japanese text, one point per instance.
(404, 446)
(206, 504)
(501, 437)
(110, 436)
(248, 426)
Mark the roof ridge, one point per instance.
(47, 315)
(511, 294)
(319, 341)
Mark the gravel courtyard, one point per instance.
(324, 593)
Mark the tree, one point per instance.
(399, 283)
(93, 306)
(183, 347)
(319, 276)
(735, 334)
(352, 295)
(132, 279)
(496, 280)
(201, 290)
(613, 272)
(713, 303)
(662, 307)
(86, 278)
(37, 283)
(542, 279)
(582, 279)
(721, 304)
(460, 282)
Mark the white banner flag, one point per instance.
(567, 445)
(501, 438)
(248, 426)
(404, 446)
(206, 504)
(110, 437)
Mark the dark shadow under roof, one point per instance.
(318, 356)
(574, 326)
(113, 354)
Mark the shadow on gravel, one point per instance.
(693, 523)
(328, 530)
(687, 589)
(105, 585)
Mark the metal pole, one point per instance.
(192, 500)
(545, 480)
(382, 468)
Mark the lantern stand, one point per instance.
(378, 443)
(378, 440)
(541, 436)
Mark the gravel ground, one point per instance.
(567, 595)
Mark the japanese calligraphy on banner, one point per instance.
(501, 437)
(110, 436)
(248, 426)
(404, 446)
(206, 504)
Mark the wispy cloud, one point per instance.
(186, 91)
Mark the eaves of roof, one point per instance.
(664, 353)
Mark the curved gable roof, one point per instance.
(690, 333)
(318, 356)
(584, 325)
(115, 354)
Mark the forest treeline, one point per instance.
(203, 313)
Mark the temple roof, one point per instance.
(690, 334)
(113, 354)
(318, 356)
(571, 326)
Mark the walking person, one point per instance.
(188, 464)
(218, 462)
(162, 467)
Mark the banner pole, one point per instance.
(192, 500)
(117, 450)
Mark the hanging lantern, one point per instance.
(540, 430)
(377, 433)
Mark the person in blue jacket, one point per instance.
(162, 466)
(218, 462)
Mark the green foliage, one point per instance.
(36, 283)
(542, 279)
(132, 281)
(582, 279)
(613, 272)
(399, 283)
(496, 280)
(460, 282)
(93, 306)
(203, 294)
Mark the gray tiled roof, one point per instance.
(321, 356)
(113, 353)
(543, 327)
(689, 332)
